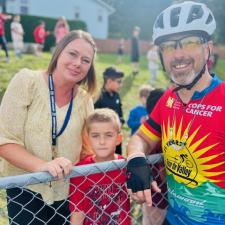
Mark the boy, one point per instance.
(101, 198)
(139, 113)
(40, 35)
(109, 96)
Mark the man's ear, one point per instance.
(210, 47)
(119, 139)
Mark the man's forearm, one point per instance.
(137, 145)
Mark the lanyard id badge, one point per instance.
(54, 117)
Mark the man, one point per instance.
(188, 120)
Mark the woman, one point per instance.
(41, 120)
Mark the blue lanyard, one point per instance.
(53, 111)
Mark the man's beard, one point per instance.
(182, 78)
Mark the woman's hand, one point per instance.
(59, 167)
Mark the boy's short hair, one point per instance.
(145, 90)
(112, 73)
(153, 98)
(104, 115)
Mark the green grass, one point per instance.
(129, 92)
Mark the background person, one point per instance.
(152, 57)
(135, 50)
(120, 51)
(3, 42)
(61, 29)
(17, 33)
(192, 140)
(139, 114)
(102, 197)
(40, 35)
(109, 96)
(42, 116)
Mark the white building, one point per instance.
(94, 13)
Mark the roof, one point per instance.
(110, 9)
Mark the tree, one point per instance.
(132, 12)
(143, 13)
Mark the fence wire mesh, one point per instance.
(97, 193)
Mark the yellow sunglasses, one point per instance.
(186, 43)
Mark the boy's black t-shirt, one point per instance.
(111, 101)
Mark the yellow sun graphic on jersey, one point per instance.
(188, 161)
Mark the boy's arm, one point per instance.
(77, 218)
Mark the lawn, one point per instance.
(129, 92)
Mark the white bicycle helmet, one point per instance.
(184, 17)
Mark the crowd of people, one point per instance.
(54, 123)
(39, 34)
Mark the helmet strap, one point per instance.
(191, 85)
(161, 60)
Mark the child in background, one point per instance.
(120, 51)
(139, 113)
(101, 198)
(17, 33)
(135, 50)
(3, 42)
(61, 29)
(40, 35)
(155, 214)
(152, 57)
(109, 96)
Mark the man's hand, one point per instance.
(139, 180)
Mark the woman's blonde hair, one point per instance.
(90, 80)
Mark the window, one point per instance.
(24, 10)
(100, 16)
(77, 13)
(24, 7)
(24, 2)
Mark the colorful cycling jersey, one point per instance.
(193, 143)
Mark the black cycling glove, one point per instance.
(139, 174)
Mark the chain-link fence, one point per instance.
(97, 194)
